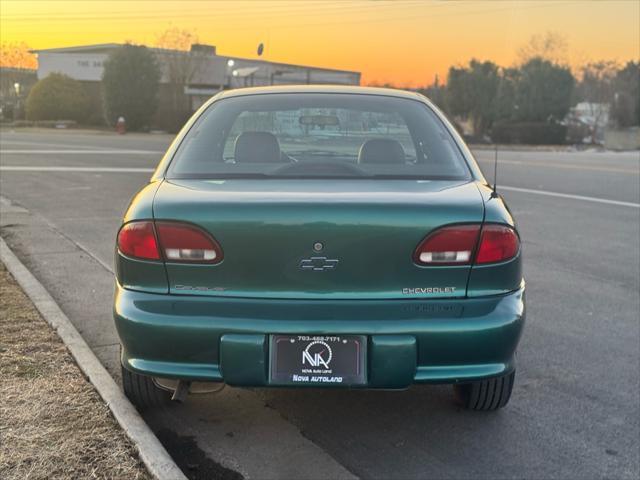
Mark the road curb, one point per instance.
(154, 456)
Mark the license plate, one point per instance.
(318, 359)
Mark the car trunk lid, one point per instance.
(334, 239)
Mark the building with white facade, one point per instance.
(208, 72)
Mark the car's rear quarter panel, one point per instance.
(501, 278)
(147, 276)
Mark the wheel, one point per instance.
(487, 395)
(143, 391)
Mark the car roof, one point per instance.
(336, 89)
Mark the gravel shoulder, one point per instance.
(53, 424)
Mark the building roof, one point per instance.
(258, 60)
(105, 47)
(98, 47)
(337, 89)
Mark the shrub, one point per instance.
(57, 97)
(529, 133)
(543, 90)
(130, 80)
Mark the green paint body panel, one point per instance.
(392, 361)
(266, 227)
(244, 359)
(499, 278)
(190, 337)
(216, 325)
(141, 275)
(141, 205)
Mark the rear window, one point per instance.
(318, 136)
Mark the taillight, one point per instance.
(181, 242)
(448, 246)
(498, 243)
(138, 240)
(461, 244)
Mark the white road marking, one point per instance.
(46, 168)
(569, 166)
(84, 152)
(73, 146)
(29, 168)
(570, 196)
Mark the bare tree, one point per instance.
(17, 77)
(17, 55)
(551, 46)
(179, 63)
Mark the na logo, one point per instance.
(317, 354)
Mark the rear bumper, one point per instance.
(226, 339)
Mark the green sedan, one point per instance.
(325, 237)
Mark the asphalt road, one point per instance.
(575, 411)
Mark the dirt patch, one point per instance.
(53, 424)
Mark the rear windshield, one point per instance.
(318, 136)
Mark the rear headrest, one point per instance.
(257, 147)
(381, 150)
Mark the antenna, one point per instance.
(494, 194)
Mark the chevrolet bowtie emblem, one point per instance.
(318, 264)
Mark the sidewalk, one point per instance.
(53, 424)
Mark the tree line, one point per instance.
(524, 103)
(533, 98)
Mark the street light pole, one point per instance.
(230, 64)
(18, 88)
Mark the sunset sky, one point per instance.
(402, 42)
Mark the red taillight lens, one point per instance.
(456, 245)
(138, 240)
(448, 246)
(498, 243)
(181, 242)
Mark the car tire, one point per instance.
(142, 391)
(485, 395)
